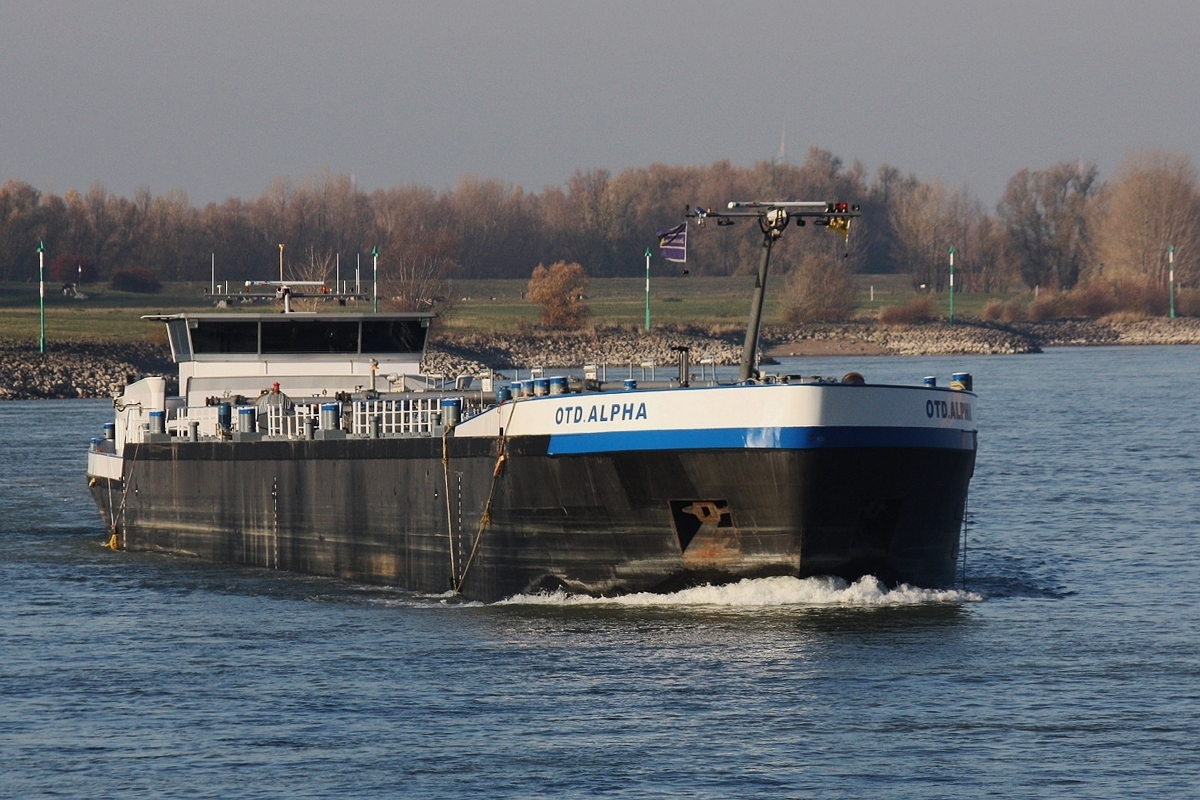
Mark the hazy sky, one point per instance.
(218, 98)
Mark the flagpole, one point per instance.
(672, 244)
(42, 294)
(647, 290)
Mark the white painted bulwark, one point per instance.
(104, 465)
(763, 407)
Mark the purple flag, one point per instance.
(673, 243)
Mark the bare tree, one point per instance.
(821, 287)
(315, 266)
(926, 220)
(988, 266)
(414, 283)
(1047, 216)
(1152, 204)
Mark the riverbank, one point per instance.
(86, 369)
(76, 369)
(975, 337)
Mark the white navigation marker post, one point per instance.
(647, 289)
(1171, 279)
(42, 294)
(281, 263)
(375, 276)
(951, 284)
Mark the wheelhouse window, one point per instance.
(393, 335)
(310, 336)
(177, 332)
(288, 335)
(224, 336)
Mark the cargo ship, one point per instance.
(311, 442)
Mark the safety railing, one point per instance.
(411, 415)
(292, 422)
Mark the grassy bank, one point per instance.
(485, 306)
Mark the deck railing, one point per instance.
(413, 415)
(292, 422)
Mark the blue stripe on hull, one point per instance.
(813, 438)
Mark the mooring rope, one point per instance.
(115, 519)
(485, 518)
(449, 516)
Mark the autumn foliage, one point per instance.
(559, 290)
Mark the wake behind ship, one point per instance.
(310, 442)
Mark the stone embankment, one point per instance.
(76, 369)
(84, 369)
(614, 346)
(933, 338)
(977, 337)
(1156, 330)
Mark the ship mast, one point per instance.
(773, 217)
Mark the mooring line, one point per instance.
(115, 519)
(485, 518)
(449, 515)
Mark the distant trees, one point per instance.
(987, 264)
(559, 290)
(479, 228)
(1152, 204)
(1046, 214)
(1055, 227)
(22, 224)
(923, 221)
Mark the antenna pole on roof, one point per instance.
(773, 216)
(772, 224)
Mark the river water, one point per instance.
(1068, 666)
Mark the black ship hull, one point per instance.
(409, 512)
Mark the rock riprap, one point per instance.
(77, 369)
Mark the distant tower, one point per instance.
(782, 157)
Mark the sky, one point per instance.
(217, 99)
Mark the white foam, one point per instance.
(778, 592)
(399, 598)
